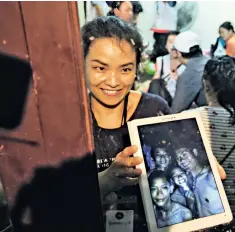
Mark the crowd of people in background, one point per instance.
(177, 56)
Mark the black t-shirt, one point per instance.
(109, 142)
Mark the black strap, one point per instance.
(162, 72)
(124, 114)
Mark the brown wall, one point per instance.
(57, 116)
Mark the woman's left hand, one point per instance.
(222, 173)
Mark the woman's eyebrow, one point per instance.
(129, 63)
(101, 62)
(98, 61)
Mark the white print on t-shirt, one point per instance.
(104, 163)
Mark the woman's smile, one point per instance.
(110, 92)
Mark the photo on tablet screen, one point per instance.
(181, 182)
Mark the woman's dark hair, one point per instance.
(172, 33)
(109, 3)
(227, 25)
(111, 27)
(194, 51)
(114, 5)
(220, 73)
(137, 7)
(159, 47)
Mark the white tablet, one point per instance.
(180, 184)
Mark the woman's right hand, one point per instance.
(121, 172)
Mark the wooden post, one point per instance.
(64, 196)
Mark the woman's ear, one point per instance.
(116, 12)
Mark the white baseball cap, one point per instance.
(185, 40)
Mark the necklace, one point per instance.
(100, 136)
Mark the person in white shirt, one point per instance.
(166, 66)
(166, 16)
(95, 9)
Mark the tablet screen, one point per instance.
(181, 183)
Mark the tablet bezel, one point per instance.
(195, 224)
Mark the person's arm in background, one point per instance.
(98, 10)
(99, 7)
(187, 89)
(200, 100)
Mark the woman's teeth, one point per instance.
(110, 92)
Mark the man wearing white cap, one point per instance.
(189, 89)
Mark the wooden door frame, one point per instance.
(57, 116)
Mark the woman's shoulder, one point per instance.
(150, 105)
(149, 98)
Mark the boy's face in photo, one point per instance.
(185, 159)
(160, 191)
(161, 158)
(179, 176)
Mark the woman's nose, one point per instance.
(112, 80)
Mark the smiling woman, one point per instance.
(112, 50)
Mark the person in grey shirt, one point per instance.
(189, 88)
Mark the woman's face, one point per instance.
(225, 34)
(170, 42)
(110, 69)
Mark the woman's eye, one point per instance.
(165, 188)
(125, 70)
(100, 69)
